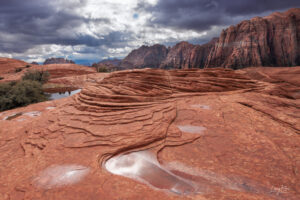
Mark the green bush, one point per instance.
(102, 69)
(1, 78)
(40, 76)
(18, 70)
(22, 93)
(28, 66)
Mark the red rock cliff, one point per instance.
(185, 55)
(269, 41)
(145, 56)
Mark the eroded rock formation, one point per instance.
(262, 41)
(213, 134)
(269, 41)
(58, 61)
(185, 55)
(145, 56)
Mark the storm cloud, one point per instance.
(92, 30)
(201, 15)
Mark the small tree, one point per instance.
(40, 76)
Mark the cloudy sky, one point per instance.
(91, 30)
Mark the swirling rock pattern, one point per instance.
(247, 147)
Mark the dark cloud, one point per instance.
(24, 24)
(28, 28)
(203, 14)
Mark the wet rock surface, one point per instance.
(207, 134)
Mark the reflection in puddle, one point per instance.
(12, 116)
(50, 108)
(59, 95)
(33, 114)
(60, 175)
(191, 129)
(183, 180)
(16, 115)
(232, 182)
(206, 107)
(145, 168)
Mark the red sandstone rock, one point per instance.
(268, 41)
(8, 65)
(261, 41)
(184, 55)
(145, 56)
(55, 70)
(222, 133)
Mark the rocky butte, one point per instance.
(58, 61)
(203, 134)
(262, 41)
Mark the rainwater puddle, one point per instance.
(16, 115)
(32, 114)
(205, 107)
(144, 167)
(191, 129)
(59, 95)
(60, 175)
(50, 108)
(13, 116)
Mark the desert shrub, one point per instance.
(28, 66)
(102, 69)
(1, 78)
(40, 76)
(22, 93)
(18, 70)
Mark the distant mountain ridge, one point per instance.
(262, 41)
(115, 62)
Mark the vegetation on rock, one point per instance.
(18, 70)
(22, 93)
(39, 76)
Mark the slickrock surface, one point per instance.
(8, 65)
(55, 70)
(206, 134)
